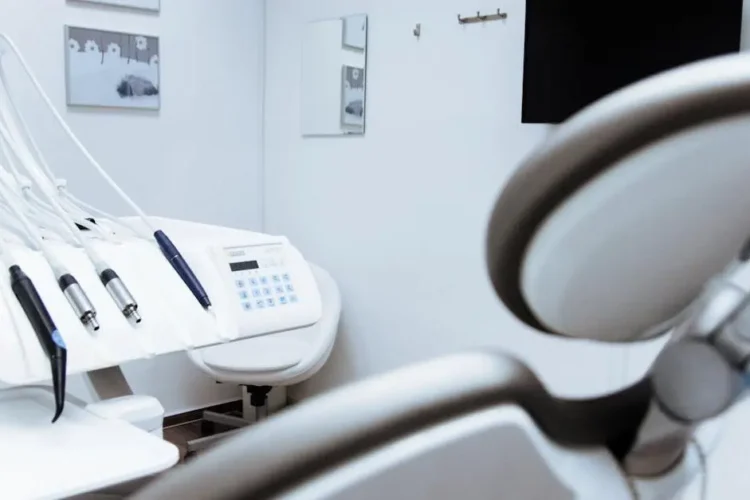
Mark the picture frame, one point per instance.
(352, 97)
(354, 33)
(148, 5)
(112, 69)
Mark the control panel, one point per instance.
(258, 289)
(272, 287)
(261, 278)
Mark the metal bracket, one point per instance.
(108, 383)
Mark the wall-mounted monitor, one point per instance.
(577, 51)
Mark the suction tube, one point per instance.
(46, 331)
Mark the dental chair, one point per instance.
(628, 223)
(275, 361)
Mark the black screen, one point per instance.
(248, 265)
(577, 51)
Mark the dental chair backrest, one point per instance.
(667, 159)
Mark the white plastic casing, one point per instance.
(144, 412)
(80, 453)
(172, 318)
(270, 289)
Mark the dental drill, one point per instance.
(40, 209)
(68, 284)
(70, 287)
(111, 281)
(167, 247)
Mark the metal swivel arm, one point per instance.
(700, 374)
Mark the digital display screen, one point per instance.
(248, 265)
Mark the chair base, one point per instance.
(254, 409)
(224, 419)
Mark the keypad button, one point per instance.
(256, 292)
(270, 302)
(240, 283)
(286, 277)
(289, 288)
(263, 280)
(243, 295)
(246, 306)
(279, 289)
(276, 278)
(292, 299)
(254, 281)
(266, 291)
(282, 300)
(260, 304)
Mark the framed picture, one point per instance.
(111, 69)
(353, 97)
(153, 5)
(355, 32)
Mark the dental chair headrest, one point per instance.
(611, 227)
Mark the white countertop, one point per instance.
(79, 453)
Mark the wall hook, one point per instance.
(479, 18)
(418, 30)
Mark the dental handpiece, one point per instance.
(79, 301)
(120, 294)
(182, 268)
(46, 331)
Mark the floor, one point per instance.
(179, 429)
(180, 434)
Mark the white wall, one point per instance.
(398, 216)
(198, 158)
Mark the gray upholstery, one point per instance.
(593, 141)
(328, 430)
